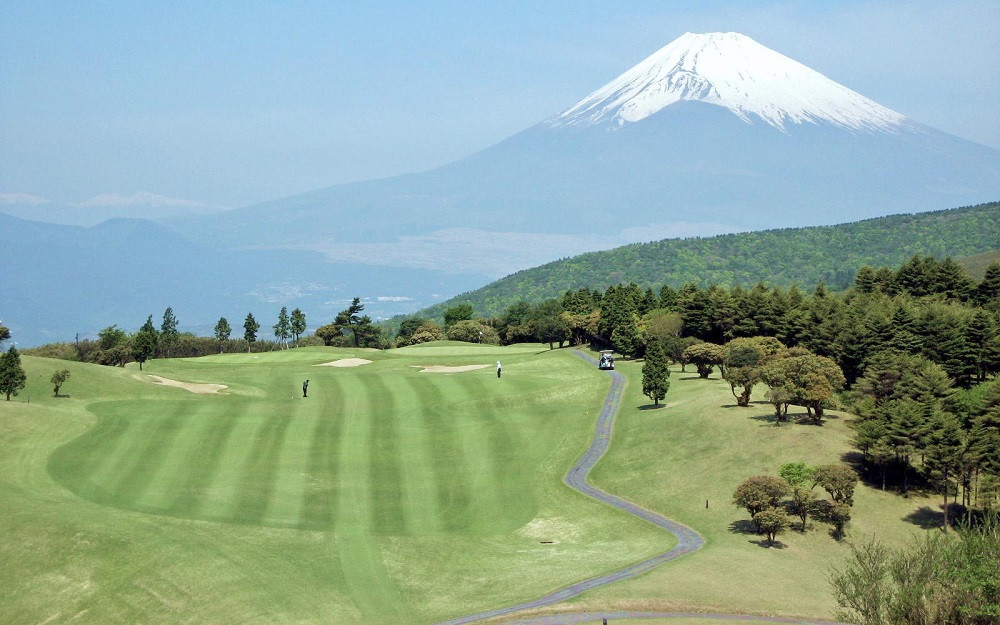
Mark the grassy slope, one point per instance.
(359, 520)
(387, 496)
(976, 264)
(701, 446)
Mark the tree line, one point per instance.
(115, 346)
(803, 256)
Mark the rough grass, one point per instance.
(700, 447)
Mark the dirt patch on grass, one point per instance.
(345, 362)
(446, 369)
(193, 387)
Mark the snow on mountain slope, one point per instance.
(733, 71)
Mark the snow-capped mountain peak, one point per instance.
(733, 71)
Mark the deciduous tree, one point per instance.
(760, 492)
(704, 356)
(58, 379)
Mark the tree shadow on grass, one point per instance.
(777, 544)
(743, 526)
(652, 406)
(926, 518)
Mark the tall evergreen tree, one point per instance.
(144, 342)
(944, 455)
(283, 329)
(298, 324)
(655, 373)
(12, 375)
(988, 291)
(905, 334)
(168, 330)
(222, 332)
(250, 327)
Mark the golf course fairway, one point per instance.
(393, 493)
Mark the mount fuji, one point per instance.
(713, 133)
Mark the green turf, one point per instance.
(386, 496)
(389, 495)
(700, 447)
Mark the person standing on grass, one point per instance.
(305, 388)
(498, 368)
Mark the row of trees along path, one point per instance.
(688, 540)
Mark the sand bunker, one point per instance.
(444, 369)
(194, 387)
(345, 362)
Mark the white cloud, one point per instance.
(143, 198)
(394, 298)
(22, 199)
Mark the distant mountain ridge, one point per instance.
(713, 134)
(802, 256)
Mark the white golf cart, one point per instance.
(607, 360)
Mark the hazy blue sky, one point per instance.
(234, 103)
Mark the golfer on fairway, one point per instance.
(498, 368)
(305, 388)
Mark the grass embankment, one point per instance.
(700, 447)
(387, 496)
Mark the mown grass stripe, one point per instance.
(447, 459)
(497, 504)
(221, 494)
(199, 467)
(160, 490)
(148, 452)
(419, 491)
(292, 466)
(385, 488)
(260, 467)
(320, 495)
(83, 464)
(353, 501)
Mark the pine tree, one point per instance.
(944, 455)
(12, 375)
(250, 327)
(904, 329)
(989, 289)
(222, 332)
(951, 280)
(168, 330)
(980, 332)
(144, 342)
(283, 329)
(865, 281)
(655, 373)
(298, 324)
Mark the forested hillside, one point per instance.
(803, 256)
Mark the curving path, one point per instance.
(688, 540)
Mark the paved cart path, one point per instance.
(688, 540)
